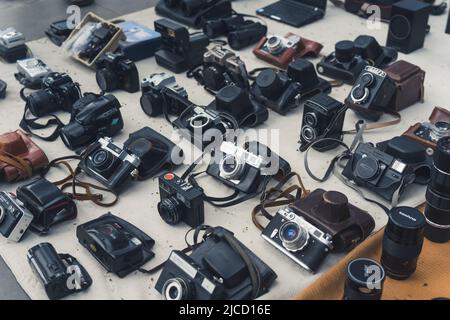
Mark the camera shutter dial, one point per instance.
(269, 83)
(367, 168)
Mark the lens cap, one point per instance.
(365, 279)
(406, 226)
(269, 83)
(344, 51)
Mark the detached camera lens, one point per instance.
(171, 210)
(177, 289)
(365, 279)
(402, 242)
(293, 236)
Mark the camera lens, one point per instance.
(102, 160)
(249, 35)
(309, 134)
(107, 80)
(293, 236)
(151, 105)
(171, 210)
(402, 242)
(274, 44)
(178, 289)
(439, 130)
(367, 168)
(269, 83)
(231, 167)
(437, 211)
(75, 136)
(366, 79)
(344, 51)
(311, 119)
(41, 103)
(365, 279)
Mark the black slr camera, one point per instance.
(310, 228)
(343, 64)
(221, 67)
(115, 71)
(119, 246)
(97, 41)
(61, 274)
(180, 201)
(378, 171)
(58, 92)
(92, 117)
(180, 51)
(323, 117)
(110, 164)
(220, 268)
(281, 90)
(161, 93)
(240, 33)
(245, 168)
(371, 93)
(15, 218)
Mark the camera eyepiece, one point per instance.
(293, 236)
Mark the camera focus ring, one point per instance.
(170, 210)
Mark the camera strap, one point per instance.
(23, 167)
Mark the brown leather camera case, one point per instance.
(331, 213)
(409, 82)
(19, 157)
(304, 48)
(438, 114)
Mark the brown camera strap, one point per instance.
(72, 181)
(375, 125)
(277, 197)
(24, 168)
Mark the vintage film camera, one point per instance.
(245, 168)
(60, 274)
(180, 51)
(201, 126)
(221, 67)
(97, 40)
(14, 217)
(58, 92)
(310, 228)
(429, 133)
(282, 90)
(115, 71)
(155, 98)
(238, 103)
(92, 117)
(32, 72)
(280, 51)
(343, 64)
(371, 94)
(180, 201)
(12, 45)
(240, 33)
(323, 117)
(220, 268)
(118, 246)
(110, 164)
(370, 50)
(48, 204)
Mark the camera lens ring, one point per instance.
(237, 167)
(293, 236)
(439, 130)
(176, 289)
(311, 119)
(196, 118)
(170, 210)
(359, 99)
(274, 44)
(309, 134)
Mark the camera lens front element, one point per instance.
(274, 44)
(171, 210)
(309, 134)
(311, 119)
(102, 160)
(366, 79)
(177, 289)
(231, 167)
(359, 94)
(367, 168)
(107, 80)
(293, 236)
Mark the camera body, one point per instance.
(213, 271)
(32, 72)
(109, 163)
(372, 93)
(115, 71)
(179, 51)
(343, 64)
(97, 41)
(429, 133)
(12, 45)
(14, 217)
(378, 171)
(180, 201)
(282, 90)
(155, 99)
(92, 117)
(58, 92)
(56, 270)
(221, 67)
(323, 117)
(118, 246)
(312, 227)
(280, 51)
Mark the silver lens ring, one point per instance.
(309, 134)
(175, 289)
(238, 167)
(363, 98)
(199, 118)
(293, 236)
(274, 44)
(311, 119)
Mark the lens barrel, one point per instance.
(402, 242)
(171, 210)
(365, 279)
(437, 211)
